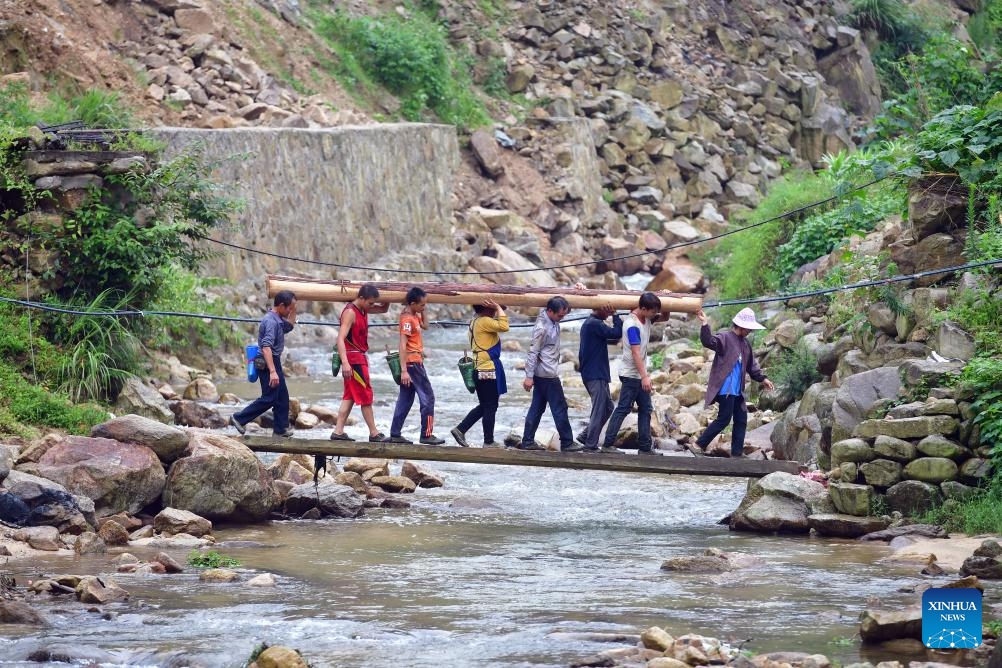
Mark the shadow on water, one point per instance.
(499, 568)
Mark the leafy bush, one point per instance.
(891, 20)
(966, 140)
(982, 375)
(743, 265)
(795, 370)
(123, 245)
(821, 233)
(410, 58)
(96, 108)
(23, 403)
(946, 73)
(211, 559)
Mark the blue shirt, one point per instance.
(593, 351)
(271, 333)
(732, 384)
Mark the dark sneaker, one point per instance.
(591, 450)
(397, 439)
(641, 451)
(378, 437)
(341, 437)
(610, 450)
(529, 446)
(573, 447)
(459, 436)
(695, 449)
(580, 438)
(288, 433)
(236, 425)
(431, 439)
(493, 444)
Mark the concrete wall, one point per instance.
(348, 194)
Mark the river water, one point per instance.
(503, 566)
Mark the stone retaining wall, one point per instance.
(346, 195)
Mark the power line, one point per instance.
(570, 265)
(462, 323)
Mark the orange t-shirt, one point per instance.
(410, 327)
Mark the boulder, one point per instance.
(486, 151)
(913, 497)
(394, 483)
(173, 521)
(113, 533)
(168, 442)
(936, 445)
(421, 476)
(196, 414)
(48, 503)
(985, 568)
(881, 472)
(220, 479)
(916, 427)
(895, 449)
(118, 477)
(361, 465)
(857, 395)
(277, 656)
(138, 398)
(880, 625)
(20, 613)
(100, 590)
(929, 373)
(780, 502)
(332, 500)
(975, 471)
(953, 342)
(931, 469)
(854, 450)
(851, 499)
(937, 204)
(201, 390)
(845, 526)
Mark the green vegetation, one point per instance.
(124, 248)
(96, 108)
(211, 559)
(25, 398)
(657, 360)
(410, 57)
(795, 370)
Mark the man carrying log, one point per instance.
(633, 374)
(542, 365)
(413, 377)
(352, 345)
(271, 342)
(593, 360)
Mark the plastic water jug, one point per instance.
(252, 352)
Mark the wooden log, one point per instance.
(468, 293)
(684, 464)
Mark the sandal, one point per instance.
(341, 437)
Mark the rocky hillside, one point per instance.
(692, 107)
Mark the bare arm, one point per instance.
(641, 364)
(405, 378)
(347, 321)
(379, 307)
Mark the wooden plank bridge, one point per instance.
(627, 463)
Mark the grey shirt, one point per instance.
(544, 351)
(271, 332)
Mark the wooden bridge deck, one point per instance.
(629, 463)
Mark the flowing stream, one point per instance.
(504, 566)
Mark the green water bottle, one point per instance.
(336, 362)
